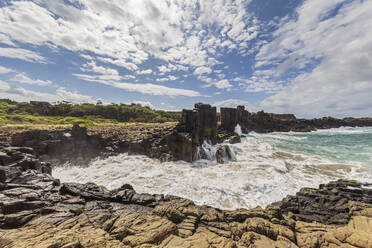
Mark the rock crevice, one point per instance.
(36, 210)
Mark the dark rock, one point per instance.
(182, 146)
(2, 175)
(88, 191)
(229, 118)
(329, 204)
(224, 154)
(235, 139)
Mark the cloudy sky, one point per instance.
(308, 57)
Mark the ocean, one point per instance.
(267, 168)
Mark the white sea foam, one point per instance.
(238, 130)
(262, 174)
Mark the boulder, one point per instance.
(224, 154)
(235, 139)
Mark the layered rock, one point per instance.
(79, 145)
(36, 210)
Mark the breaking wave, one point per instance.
(267, 168)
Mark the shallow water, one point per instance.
(268, 167)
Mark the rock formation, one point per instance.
(36, 210)
(268, 122)
(197, 125)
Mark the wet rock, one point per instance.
(235, 139)
(224, 154)
(88, 191)
(37, 211)
(329, 204)
(182, 146)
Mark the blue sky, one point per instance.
(310, 57)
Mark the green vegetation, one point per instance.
(348, 181)
(85, 114)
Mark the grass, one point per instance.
(89, 115)
(26, 119)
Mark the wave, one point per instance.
(264, 172)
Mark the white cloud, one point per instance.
(151, 89)
(233, 103)
(172, 78)
(20, 94)
(4, 86)
(23, 54)
(223, 84)
(127, 65)
(22, 78)
(6, 40)
(259, 83)
(92, 67)
(202, 70)
(169, 78)
(144, 72)
(70, 96)
(162, 79)
(127, 33)
(4, 70)
(154, 89)
(341, 83)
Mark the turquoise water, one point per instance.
(341, 144)
(268, 167)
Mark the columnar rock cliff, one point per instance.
(197, 125)
(268, 122)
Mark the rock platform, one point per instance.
(36, 210)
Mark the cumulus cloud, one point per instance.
(24, 79)
(16, 93)
(330, 44)
(202, 70)
(233, 103)
(127, 33)
(144, 72)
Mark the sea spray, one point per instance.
(268, 167)
(238, 130)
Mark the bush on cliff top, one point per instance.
(12, 112)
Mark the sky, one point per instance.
(312, 58)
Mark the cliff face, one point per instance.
(36, 210)
(267, 122)
(165, 141)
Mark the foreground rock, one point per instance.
(36, 210)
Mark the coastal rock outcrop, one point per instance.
(36, 210)
(263, 122)
(197, 126)
(78, 145)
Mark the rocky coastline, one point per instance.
(36, 210)
(164, 141)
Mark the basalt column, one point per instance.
(229, 118)
(206, 121)
(197, 125)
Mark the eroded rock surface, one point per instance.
(36, 210)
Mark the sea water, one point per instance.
(267, 168)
